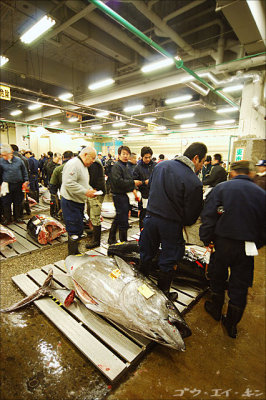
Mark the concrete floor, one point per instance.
(39, 363)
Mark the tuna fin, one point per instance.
(41, 292)
(124, 266)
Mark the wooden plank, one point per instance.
(109, 364)
(29, 243)
(112, 337)
(8, 252)
(19, 248)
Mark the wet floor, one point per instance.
(39, 363)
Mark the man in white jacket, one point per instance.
(75, 190)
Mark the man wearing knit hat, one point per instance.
(260, 177)
(233, 219)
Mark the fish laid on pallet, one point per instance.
(115, 290)
(6, 236)
(44, 229)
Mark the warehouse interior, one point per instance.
(159, 73)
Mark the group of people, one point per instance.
(232, 216)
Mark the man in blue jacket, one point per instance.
(233, 219)
(13, 174)
(33, 174)
(175, 200)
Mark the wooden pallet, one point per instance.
(25, 243)
(110, 347)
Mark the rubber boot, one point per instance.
(123, 235)
(16, 212)
(112, 233)
(97, 230)
(145, 268)
(230, 321)
(7, 215)
(215, 305)
(53, 208)
(164, 283)
(73, 245)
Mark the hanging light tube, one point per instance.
(15, 112)
(157, 65)
(119, 124)
(225, 122)
(227, 110)
(231, 89)
(65, 96)
(188, 125)
(149, 120)
(101, 84)
(136, 107)
(37, 29)
(35, 106)
(184, 115)
(3, 60)
(178, 99)
(102, 114)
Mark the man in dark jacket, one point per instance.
(55, 185)
(121, 183)
(233, 219)
(175, 200)
(260, 177)
(206, 169)
(13, 174)
(97, 182)
(132, 162)
(142, 172)
(218, 173)
(33, 175)
(108, 168)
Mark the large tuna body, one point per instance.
(44, 229)
(117, 291)
(6, 237)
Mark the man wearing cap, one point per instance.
(233, 219)
(260, 177)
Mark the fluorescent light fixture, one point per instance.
(136, 107)
(157, 65)
(160, 128)
(188, 125)
(101, 84)
(231, 89)
(37, 29)
(65, 96)
(133, 130)
(113, 133)
(3, 60)
(184, 115)
(149, 120)
(54, 123)
(15, 112)
(226, 110)
(35, 106)
(119, 124)
(102, 114)
(178, 99)
(225, 122)
(96, 127)
(73, 119)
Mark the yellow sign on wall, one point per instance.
(5, 93)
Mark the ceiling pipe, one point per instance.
(179, 63)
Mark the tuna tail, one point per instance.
(41, 292)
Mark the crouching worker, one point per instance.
(233, 219)
(175, 200)
(75, 190)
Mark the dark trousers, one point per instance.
(14, 196)
(34, 187)
(159, 231)
(73, 214)
(231, 253)
(121, 203)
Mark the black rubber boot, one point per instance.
(7, 215)
(112, 233)
(73, 245)
(97, 230)
(17, 212)
(145, 268)
(215, 305)
(164, 283)
(230, 321)
(123, 235)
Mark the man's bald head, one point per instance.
(88, 155)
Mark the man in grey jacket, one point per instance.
(75, 190)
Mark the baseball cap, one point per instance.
(243, 164)
(261, 163)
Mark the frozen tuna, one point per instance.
(6, 236)
(44, 229)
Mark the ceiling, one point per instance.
(85, 46)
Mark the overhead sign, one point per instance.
(5, 93)
(239, 154)
(70, 115)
